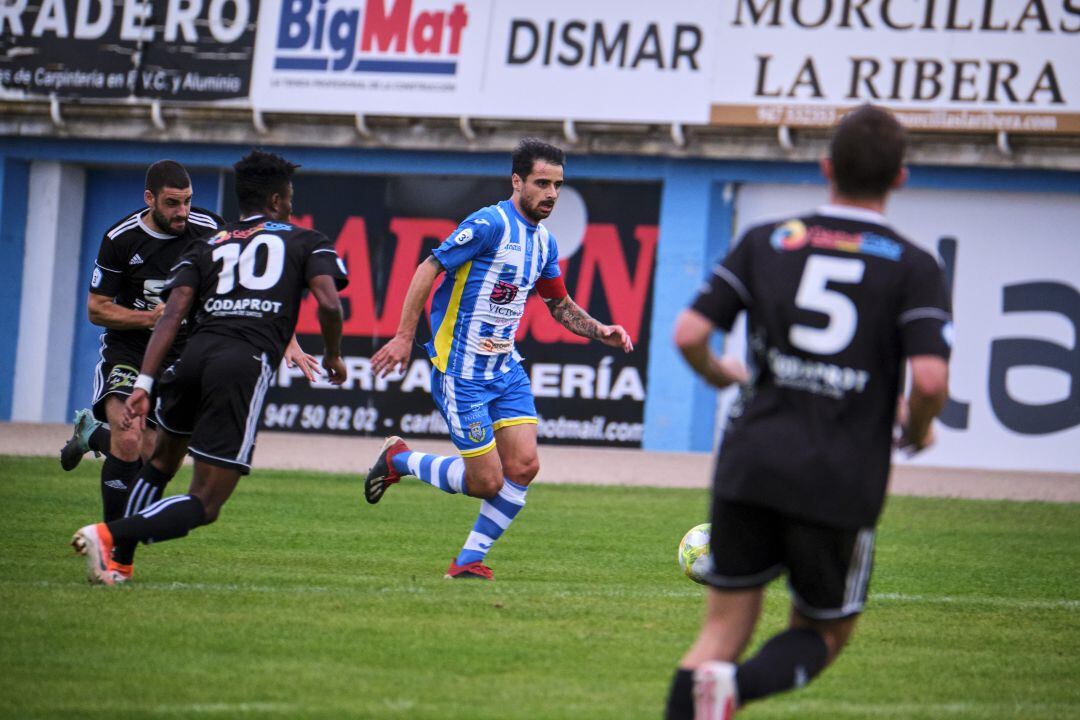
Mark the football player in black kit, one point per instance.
(837, 304)
(134, 259)
(133, 262)
(245, 284)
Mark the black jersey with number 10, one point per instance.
(835, 301)
(249, 279)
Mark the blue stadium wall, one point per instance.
(696, 224)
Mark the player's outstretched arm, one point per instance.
(929, 389)
(331, 318)
(175, 310)
(103, 312)
(692, 333)
(579, 322)
(395, 353)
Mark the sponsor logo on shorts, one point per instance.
(122, 376)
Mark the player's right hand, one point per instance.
(392, 356)
(136, 406)
(336, 372)
(156, 314)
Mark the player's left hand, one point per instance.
(135, 408)
(615, 336)
(296, 357)
(336, 372)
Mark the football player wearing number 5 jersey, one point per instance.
(491, 263)
(245, 284)
(837, 304)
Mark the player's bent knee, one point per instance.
(523, 472)
(485, 486)
(125, 445)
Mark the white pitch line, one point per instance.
(508, 588)
(225, 708)
(1018, 603)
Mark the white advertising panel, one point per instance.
(1015, 266)
(602, 60)
(418, 57)
(960, 65)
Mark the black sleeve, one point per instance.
(727, 291)
(323, 259)
(925, 317)
(188, 269)
(108, 269)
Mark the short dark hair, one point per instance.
(529, 150)
(258, 176)
(166, 173)
(867, 152)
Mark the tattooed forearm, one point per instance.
(573, 318)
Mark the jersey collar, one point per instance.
(152, 233)
(522, 218)
(250, 218)
(848, 212)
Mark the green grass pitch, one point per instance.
(305, 602)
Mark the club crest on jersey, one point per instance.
(464, 236)
(477, 432)
(503, 293)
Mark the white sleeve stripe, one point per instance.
(124, 226)
(736, 284)
(180, 264)
(924, 313)
(203, 220)
(324, 250)
(105, 268)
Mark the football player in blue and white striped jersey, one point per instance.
(492, 261)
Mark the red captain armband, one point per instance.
(551, 288)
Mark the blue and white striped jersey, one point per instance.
(492, 261)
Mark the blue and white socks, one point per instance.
(495, 516)
(445, 473)
(448, 474)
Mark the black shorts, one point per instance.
(115, 374)
(214, 394)
(828, 567)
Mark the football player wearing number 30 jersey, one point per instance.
(245, 284)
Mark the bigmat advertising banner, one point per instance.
(1013, 266)
(167, 49)
(384, 226)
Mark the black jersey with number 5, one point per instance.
(835, 301)
(132, 265)
(249, 279)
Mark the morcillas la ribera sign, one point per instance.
(952, 65)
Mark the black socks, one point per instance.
(117, 479)
(147, 490)
(166, 519)
(789, 660)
